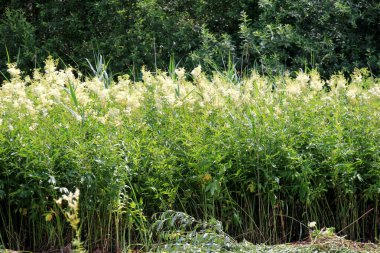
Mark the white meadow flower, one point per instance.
(147, 77)
(337, 82)
(76, 193)
(37, 75)
(83, 98)
(104, 95)
(38, 90)
(16, 104)
(33, 127)
(293, 89)
(102, 120)
(113, 113)
(59, 201)
(197, 71)
(120, 97)
(78, 117)
(54, 92)
(50, 65)
(73, 204)
(341, 83)
(375, 91)
(127, 111)
(45, 112)
(180, 73)
(352, 91)
(302, 78)
(123, 80)
(133, 101)
(28, 79)
(13, 70)
(277, 110)
(315, 81)
(358, 75)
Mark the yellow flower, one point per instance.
(49, 217)
(207, 177)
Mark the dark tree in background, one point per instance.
(328, 35)
(272, 35)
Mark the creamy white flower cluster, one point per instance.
(84, 98)
(72, 211)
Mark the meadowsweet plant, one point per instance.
(71, 213)
(261, 154)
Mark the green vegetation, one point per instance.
(262, 136)
(257, 158)
(271, 35)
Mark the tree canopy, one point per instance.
(274, 35)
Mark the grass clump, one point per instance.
(262, 155)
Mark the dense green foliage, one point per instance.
(263, 155)
(267, 34)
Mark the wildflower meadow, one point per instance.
(184, 161)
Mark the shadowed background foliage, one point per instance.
(272, 35)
